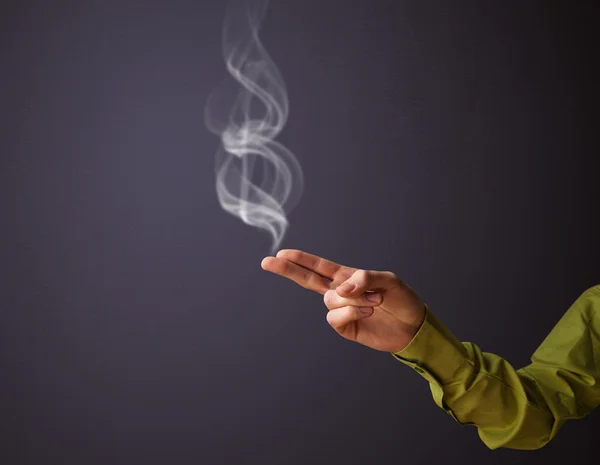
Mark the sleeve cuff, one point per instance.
(434, 352)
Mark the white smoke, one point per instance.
(247, 111)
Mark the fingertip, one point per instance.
(364, 312)
(265, 262)
(374, 297)
(283, 252)
(345, 288)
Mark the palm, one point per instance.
(385, 330)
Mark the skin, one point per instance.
(373, 308)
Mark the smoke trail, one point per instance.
(247, 111)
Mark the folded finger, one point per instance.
(369, 299)
(340, 317)
(364, 280)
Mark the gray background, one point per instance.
(454, 143)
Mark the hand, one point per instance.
(373, 308)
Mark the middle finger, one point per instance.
(326, 268)
(300, 275)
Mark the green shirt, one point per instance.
(518, 409)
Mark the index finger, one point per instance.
(326, 268)
(300, 275)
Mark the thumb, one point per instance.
(340, 317)
(366, 280)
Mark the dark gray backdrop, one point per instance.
(454, 143)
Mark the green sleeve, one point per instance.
(517, 409)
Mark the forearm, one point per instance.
(503, 403)
(519, 409)
(465, 382)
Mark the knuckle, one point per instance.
(328, 297)
(391, 276)
(346, 275)
(306, 276)
(362, 276)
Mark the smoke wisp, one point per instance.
(257, 178)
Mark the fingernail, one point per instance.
(365, 310)
(347, 287)
(374, 296)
